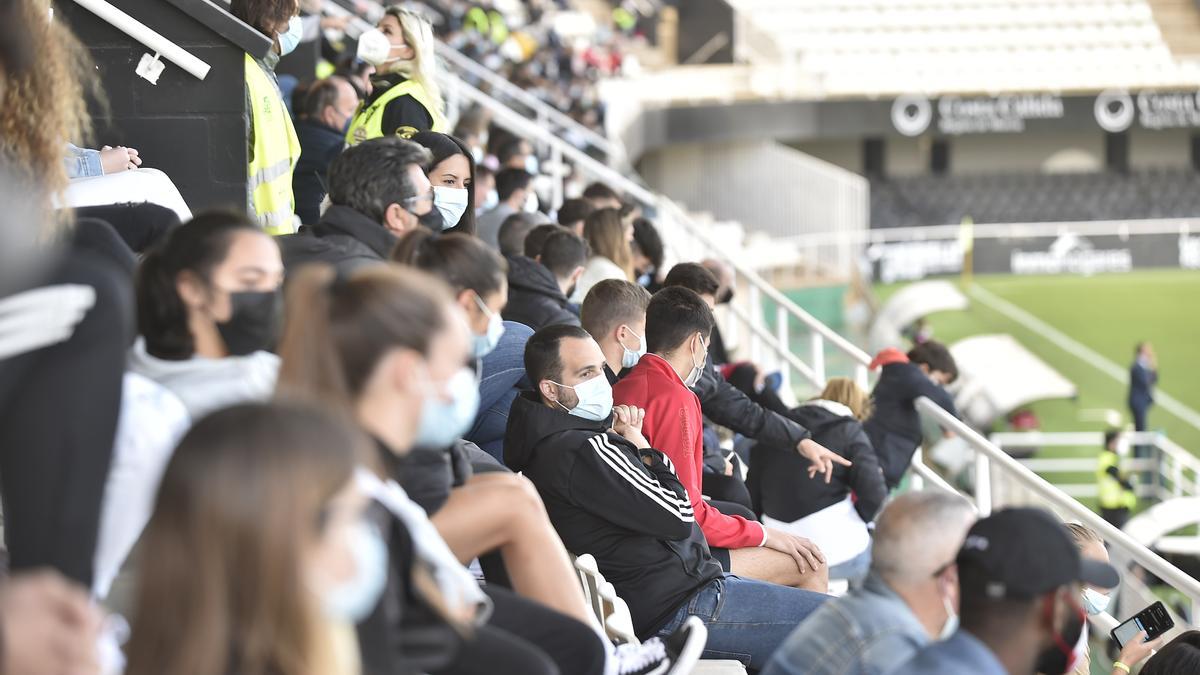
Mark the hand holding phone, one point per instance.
(1152, 621)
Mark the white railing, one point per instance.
(689, 242)
(1177, 470)
(153, 41)
(1090, 228)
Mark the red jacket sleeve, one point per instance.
(672, 427)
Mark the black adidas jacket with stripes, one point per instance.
(603, 499)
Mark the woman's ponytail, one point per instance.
(311, 368)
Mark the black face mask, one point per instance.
(725, 297)
(433, 220)
(1060, 657)
(253, 323)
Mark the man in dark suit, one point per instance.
(1143, 375)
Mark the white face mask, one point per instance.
(493, 198)
(1095, 602)
(697, 368)
(375, 48)
(290, 38)
(451, 202)
(595, 399)
(951, 625)
(531, 164)
(630, 357)
(354, 599)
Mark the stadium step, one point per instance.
(1179, 21)
(713, 667)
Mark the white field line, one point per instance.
(1084, 353)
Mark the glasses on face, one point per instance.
(413, 201)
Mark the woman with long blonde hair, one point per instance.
(612, 257)
(405, 98)
(833, 514)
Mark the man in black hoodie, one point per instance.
(895, 426)
(538, 289)
(610, 494)
(379, 191)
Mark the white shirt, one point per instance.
(598, 269)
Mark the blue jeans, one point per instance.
(502, 379)
(747, 620)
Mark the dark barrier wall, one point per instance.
(193, 130)
(702, 21)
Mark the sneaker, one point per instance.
(674, 655)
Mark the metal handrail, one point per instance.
(152, 40)
(988, 453)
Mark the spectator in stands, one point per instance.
(1019, 577)
(833, 514)
(517, 153)
(49, 625)
(909, 599)
(68, 314)
(723, 404)
(257, 558)
(478, 278)
(1095, 603)
(378, 190)
(895, 427)
(602, 196)
(536, 239)
(386, 347)
(405, 97)
(647, 255)
(614, 314)
(515, 230)
(1181, 655)
(613, 496)
(1143, 376)
(1116, 497)
(472, 129)
(727, 281)
(513, 188)
(678, 325)
(208, 313)
(611, 257)
(322, 115)
(538, 290)
(273, 148)
(486, 197)
(452, 173)
(573, 213)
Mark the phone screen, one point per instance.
(1125, 632)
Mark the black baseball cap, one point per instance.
(1025, 552)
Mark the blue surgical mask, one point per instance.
(493, 198)
(595, 399)
(1095, 602)
(291, 37)
(630, 357)
(353, 600)
(531, 164)
(443, 422)
(482, 345)
(697, 368)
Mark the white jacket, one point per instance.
(598, 269)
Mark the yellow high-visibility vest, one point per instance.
(368, 120)
(273, 155)
(1112, 495)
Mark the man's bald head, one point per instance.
(919, 533)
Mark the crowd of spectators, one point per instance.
(373, 445)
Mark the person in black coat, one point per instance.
(538, 289)
(322, 112)
(832, 514)
(895, 426)
(1143, 375)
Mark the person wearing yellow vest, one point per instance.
(272, 146)
(1116, 495)
(405, 98)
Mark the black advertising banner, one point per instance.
(1061, 253)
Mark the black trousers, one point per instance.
(724, 488)
(58, 417)
(524, 637)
